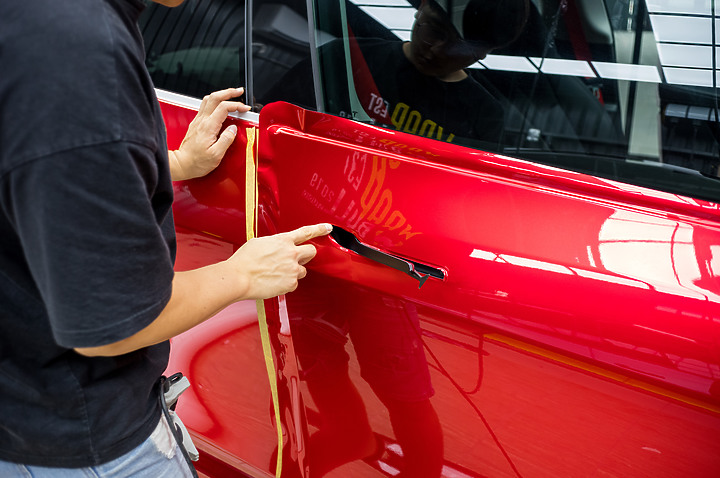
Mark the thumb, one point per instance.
(225, 140)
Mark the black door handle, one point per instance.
(416, 270)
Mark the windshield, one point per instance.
(621, 89)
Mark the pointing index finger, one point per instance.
(306, 233)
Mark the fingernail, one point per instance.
(328, 227)
(232, 129)
(241, 90)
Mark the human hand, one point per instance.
(272, 265)
(202, 149)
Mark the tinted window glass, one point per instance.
(196, 48)
(280, 42)
(619, 89)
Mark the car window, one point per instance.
(196, 48)
(281, 40)
(624, 90)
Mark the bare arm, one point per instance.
(262, 268)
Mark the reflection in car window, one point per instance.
(196, 48)
(625, 90)
(280, 42)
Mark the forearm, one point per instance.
(262, 268)
(196, 296)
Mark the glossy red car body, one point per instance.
(576, 330)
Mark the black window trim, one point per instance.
(249, 85)
(319, 102)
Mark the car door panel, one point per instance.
(559, 330)
(588, 323)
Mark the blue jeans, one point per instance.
(157, 457)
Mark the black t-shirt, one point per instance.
(86, 232)
(392, 92)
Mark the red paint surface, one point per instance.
(577, 331)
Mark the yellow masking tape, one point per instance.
(250, 184)
(251, 194)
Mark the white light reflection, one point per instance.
(477, 66)
(618, 71)
(684, 76)
(284, 318)
(591, 257)
(387, 468)
(535, 264)
(693, 7)
(687, 339)
(613, 279)
(715, 259)
(404, 35)
(509, 63)
(641, 252)
(694, 56)
(557, 66)
(675, 29)
(484, 255)
(556, 268)
(393, 18)
(395, 15)
(656, 250)
(380, 3)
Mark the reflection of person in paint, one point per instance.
(421, 86)
(386, 337)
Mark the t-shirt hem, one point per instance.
(94, 459)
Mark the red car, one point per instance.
(523, 280)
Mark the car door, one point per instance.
(520, 345)
(537, 308)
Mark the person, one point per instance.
(421, 86)
(87, 243)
